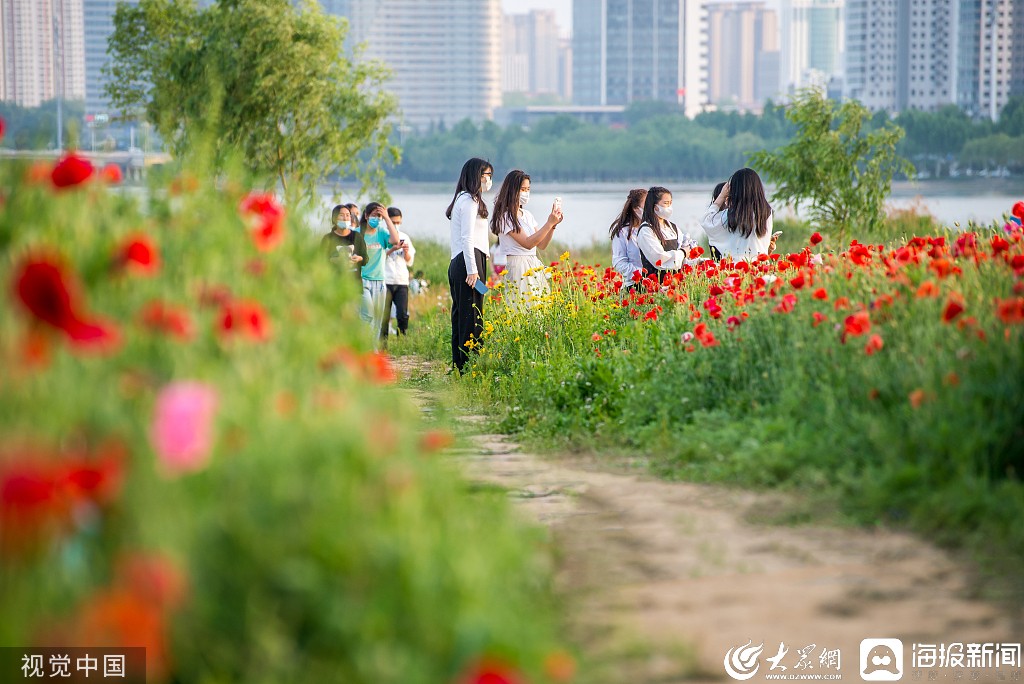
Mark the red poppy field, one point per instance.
(887, 378)
(199, 454)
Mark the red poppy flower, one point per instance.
(706, 337)
(857, 324)
(265, 218)
(860, 254)
(491, 671)
(954, 307)
(819, 318)
(651, 315)
(787, 304)
(916, 398)
(712, 307)
(733, 322)
(797, 282)
(999, 244)
(820, 293)
(874, 344)
(111, 173)
(596, 337)
(1010, 311)
(245, 318)
(841, 303)
(966, 244)
(162, 318)
(927, 289)
(138, 255)
(3, 127)
(30, 506)
(436, 440)
(47, 292)
(1018, 210)
(695, 252)
(816, 238)
(70, 171)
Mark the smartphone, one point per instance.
(480, 287)
(776, 234)
(558, 203)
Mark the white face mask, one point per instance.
(486, 185)
(662, 211)
(524, 198)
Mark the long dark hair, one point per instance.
(748, 207)
(469, 181)
(367, 210)
(628, 217)
(717, 191)
(654, 196)
(507, 202)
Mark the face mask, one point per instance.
(374, 222)
(524, 198)
(662, 211)
(486, 185)
(342, 224)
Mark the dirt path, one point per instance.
(665, 577)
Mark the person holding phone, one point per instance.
(519, 236)
(399, 260)
(662, 246)
(343, 246)
(468, 216)
(738, 222)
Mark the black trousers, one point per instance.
(399, 296)
(467, 306)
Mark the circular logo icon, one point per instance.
(741, 661)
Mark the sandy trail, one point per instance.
(663, 578)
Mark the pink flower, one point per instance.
(182, 429)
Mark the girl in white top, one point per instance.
(662, 246)
(519, 236)
(468, 216)
(739, 222)
(625, 252)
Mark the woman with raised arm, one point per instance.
(739, 222)
(519, 236)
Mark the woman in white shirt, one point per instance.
(662, 246)
(519, 236)
(625, 252)
(739, 222)
(468, 216)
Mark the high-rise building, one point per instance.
(443, 55)
(530, 53)
(743, 54)
(98, 25)
(633, 50)
(41, 55)
(990, 63)
(813, 42)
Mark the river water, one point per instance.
(589, 209)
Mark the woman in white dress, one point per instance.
(519, 236)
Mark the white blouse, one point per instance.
(468, 231)
(527, 227)
(650, 247)
(716, 224)
(626, 256)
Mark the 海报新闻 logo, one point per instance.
(881, 660)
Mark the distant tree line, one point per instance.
(35, 128)
(660, 142)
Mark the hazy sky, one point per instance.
(563, 8)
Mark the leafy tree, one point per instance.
(841, 169)
(264, 77)
(1011, 119)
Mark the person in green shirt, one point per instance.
(379, 233)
